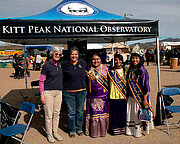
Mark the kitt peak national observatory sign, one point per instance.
(22, 28)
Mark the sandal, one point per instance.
(71, 135)
(80, 133)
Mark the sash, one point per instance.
(120, 84)
(99, 78)
(137, 93)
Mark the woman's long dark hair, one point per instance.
(132, 66)
(15, 55)
(97, 54)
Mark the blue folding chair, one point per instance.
(172, 109)
(15, 129)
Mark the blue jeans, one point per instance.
(74, 109)
(21, 74)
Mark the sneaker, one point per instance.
(72, 135)
(138, 136)
(80, 133)
(50, 138)
(57, 136)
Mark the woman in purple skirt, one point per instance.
(97, 118)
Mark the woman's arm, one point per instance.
(145, 86)
(145, 101)
(41, 87)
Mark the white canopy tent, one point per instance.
(94, 46)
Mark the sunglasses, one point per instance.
(56, 54)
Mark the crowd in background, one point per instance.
(20, 66)
(35, 61)
(167, 54)
(23, 65)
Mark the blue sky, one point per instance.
(166, 11)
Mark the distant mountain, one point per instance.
(149, 45)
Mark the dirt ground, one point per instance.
(11, 91)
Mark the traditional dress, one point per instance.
(97, 106)
(137, 86)
(118, 101)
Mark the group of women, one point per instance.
(114, 95)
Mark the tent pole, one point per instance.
(159, 80)
(158, 64)
(113, 50)
(25, 65)
(0, 111)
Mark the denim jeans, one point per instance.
(75, 109)
(21, 74)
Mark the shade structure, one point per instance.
(75, 20)
(116, 45)
(94, 46)
(39, 47)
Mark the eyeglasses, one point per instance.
(56, 54)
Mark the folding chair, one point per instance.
(15, 129)
(36, 94)
(172, 109)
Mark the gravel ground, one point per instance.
(11, 90)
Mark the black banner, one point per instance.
(18, 29)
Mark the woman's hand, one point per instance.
(145, 102)
(43, 99)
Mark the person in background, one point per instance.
(74, 91)
(38, 61)
(48, 56)
(162, 52)
(25, 66)
(148, 56)
(15, 65)
(97, 105)
(33, 62)
(107, 60)
(177, 54)
(168, 56)
(152, 55)
(127, 62)
(138, 95)
(118, 96)
(21, 68)
(28, 65)
(50, 85)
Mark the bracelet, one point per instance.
(42, 93)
